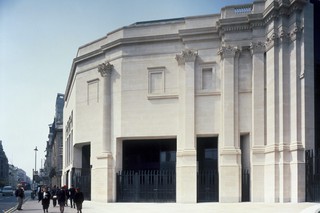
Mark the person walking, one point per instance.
(78, 199)
(72, 192)
(20, 196)
(62, 197)
(54, 195)
(45, 199)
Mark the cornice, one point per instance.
(199, 34)
(197, 31)
(249, 21)
(141, 39)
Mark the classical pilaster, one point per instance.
(186, 151)
(103, 171)
(296, 147)
(258, 120)
(105, 69)
(272, 120)
(284, 114)
(229, 161)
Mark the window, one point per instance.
(93, 91)
(210, 78)
(210, 154)
(207, 79)
(156, 80)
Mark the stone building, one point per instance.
(4, 167)
(54, 156)
(227, 95)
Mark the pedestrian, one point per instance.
(54, 195)
(72, 192)
(67, 195)
(45, 199)
(62, 197)
(78, 199)
(20, 196)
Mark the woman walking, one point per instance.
(45, 199)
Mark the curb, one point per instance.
(312, 209)
(13, 209)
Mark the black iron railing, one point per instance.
(208, 186)
(146, 186)
(312, 162)
(83, 181)
(245, 192)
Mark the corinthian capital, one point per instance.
(296, 33)
(271, 41)
(257, 47)
(284, 36)
(228, 51)
(186, 56)
(105, 69)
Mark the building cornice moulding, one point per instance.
(253, 20)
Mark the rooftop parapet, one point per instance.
(235, 11)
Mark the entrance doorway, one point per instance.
(208, 178)
(82, 179)
(148, 173)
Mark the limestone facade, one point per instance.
(247, 71)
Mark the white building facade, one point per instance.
(236, 85)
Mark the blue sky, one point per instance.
(38, 41)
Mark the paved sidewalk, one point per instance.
(33, 206)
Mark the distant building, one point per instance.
(4, 167)
(54, 156)
(16, 176)
(207, 108)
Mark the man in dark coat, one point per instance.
(72, 192)
(78, 199)
(20, 195)
(62, 198)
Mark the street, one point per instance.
(8, 202)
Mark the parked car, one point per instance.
(7, 190)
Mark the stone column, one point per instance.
(296, 147)
(104, 182)
(229, 158)
(258, 121)
(284, 115)
(272, 120)
(186, 143)
(105, 69)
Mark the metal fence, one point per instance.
(146, 186)
(208, 186)
(83, 181)
(312, 162)
(245, 192)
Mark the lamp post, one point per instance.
(35, 166)
(35, 159)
